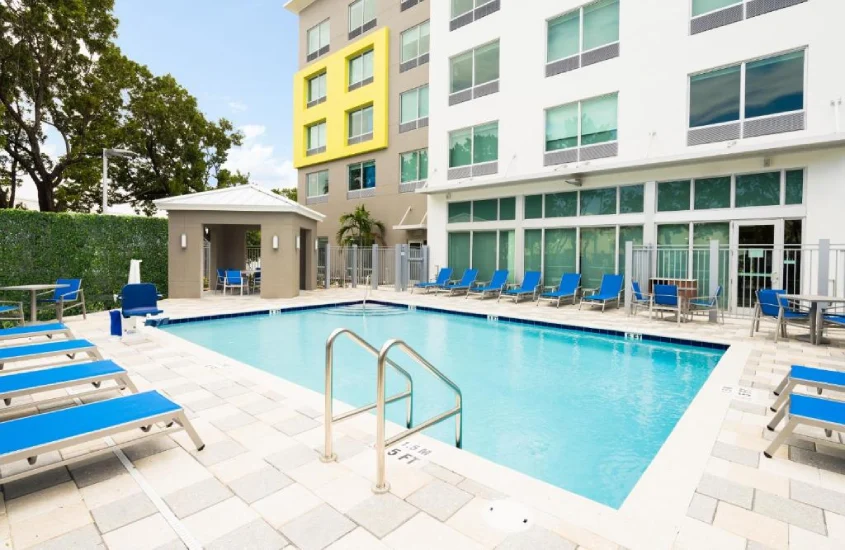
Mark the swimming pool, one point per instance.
(586, 412)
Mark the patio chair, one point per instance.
(665, 298)
(530, 284)
(234, 279)
(567, 288)
(31, 436)
(493, 288)
(611, 287)
(812, 411)
(640, 299)
(820, 379)
(66, 297)
(11, 311)
(27, 383)
(139, 300)
(706, 304)
(463, 285)
(29, 352)
(221, 278)
(256, 280)
(442, 279)
(32, 331)
(771, 306)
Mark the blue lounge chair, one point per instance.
(665, 298)
(221, 278)
(68, 296)
(11, 311)
(530, 284)
(820, 379)
(139, 300)
(640, 298)
(611, 287)
(494, 287)
(771, 306)
(441, 280)
(29, 352)
(31, 331)
(17, 384)
(707, 304)
(812, 411)
(568, 288)
(234, 279)
(31, 436)
(461, 286)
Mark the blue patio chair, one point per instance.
(221, 278)
(530, 284)
(494, 287)
(64, 298)
(771, 306)
(567, 288)
(42, 350)
(139, 300)
(442, 279)
(639, 299)
(706, 304)
(820, 379)
(463, 285)
(32, 331)
(234, 279)
(611, 287)
(665, 298)
(11, 311)
(31, 436)
(812, 411)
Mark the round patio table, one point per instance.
(33, 291)
(816, 309)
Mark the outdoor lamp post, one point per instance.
(122, 153)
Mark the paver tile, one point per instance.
(345, 492)
(702, 508)
(422, 532)
(96, 470)
(439, 499)
(381, 514)
(790, 511)
(287, 504)
(296, 425)
(722, 489)
(256, 535)
(318, 528)
(83, 538)
(358, 539)
(150, 532)
(218, 452)
(292, 457)
(220, 519)
(733, 453)
(123, 512)
(257, 485)
(752, 526)
(57, 522)
(233, 421)
(818, 496)
(199, 496)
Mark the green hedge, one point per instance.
(40, 247)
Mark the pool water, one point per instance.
(582, 411)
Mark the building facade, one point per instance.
(361, 112)
(560, 129)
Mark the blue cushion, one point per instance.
(32, 329)
(62, 346)
(4, 309)
(141, 311)
(811, 374)
(56, 375)
(816, 408)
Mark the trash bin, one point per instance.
(116, 323)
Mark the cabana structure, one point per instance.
(288, 237)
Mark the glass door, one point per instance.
(758, 259)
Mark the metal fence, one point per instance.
(253, 257)
(206, 263)
(351, 266)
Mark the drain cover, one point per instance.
(509, 516)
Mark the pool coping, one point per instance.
(652, 513)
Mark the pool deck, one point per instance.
(259, 482)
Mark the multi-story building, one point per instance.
(360, 113)
(561, 129)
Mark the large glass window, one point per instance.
(460, 212)
(596, 202)
(601, 24)
(362, 175)
(598, 254)
(474, 145)
(415, 42)
(582, 123)
(713, 193)
(460, 7)
(475, 67)
(600, 28)
(317, 88)
(758, 189)
(702, 234)
(774, 85)
(316, 136)
(414, 166)
(318, 37)
(564, 36)
(700, 7)
(673, 250)
(633, 233)
(507, 208)
(485, 211)
(533, 252)
(559, 254)
(318, 184)
(673, 196)
(361, 122)
(714, 97)
(533, 207)
(507, 249)
(361, 68)
(413, 105)
(459, 259)
(561, 205)
(361, 12)
(794, 186)
(631, 199)
(484, 253)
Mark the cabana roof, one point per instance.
(242, 198)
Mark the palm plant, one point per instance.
(360, 228)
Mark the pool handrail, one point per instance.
(381, 485)
(328, 455)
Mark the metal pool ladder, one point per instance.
(382, 443)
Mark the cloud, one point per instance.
(260, 160)
(237, 106)
(252, 131)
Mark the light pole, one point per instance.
(122, 153)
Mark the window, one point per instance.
(318, 40)
(474, 145)
(459, 247)
(562, 205)
(317, 89)
(362, 175)
(598, 254)
(794, 186)
(475, 67)
(558, 254)
(316, 138)
(597, 202)
(700, 7)
(773, 85)
(533, 207)
(415, 42)
(673, 196)
(413, 105)
(631, 199)
(460, 212)
(712, 193)
(318, 184)
(485, 211)
(533, 250)
(758, 189)
(362, 16)
(413, 166)
(360, 125)
(586, 122)
(587, 28)
(361, 70)
(507, 209)
(460, 7)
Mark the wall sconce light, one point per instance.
(275, 242)
(297, 242)
(184, 241)
(316, 245)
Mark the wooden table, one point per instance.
(33, 292)
(816, 310)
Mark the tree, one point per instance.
(287, 192)
(360, 228)
(225, 178)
